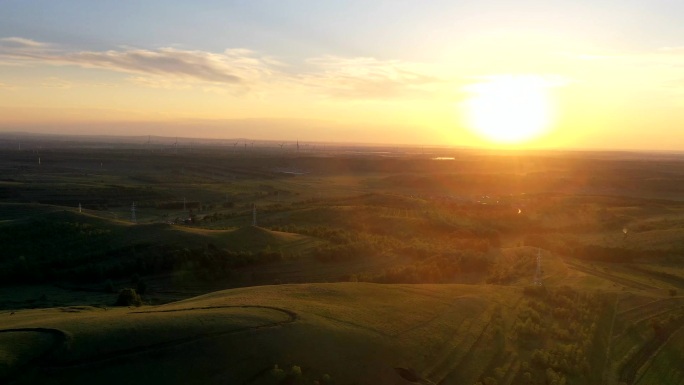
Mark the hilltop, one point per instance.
(347, 332)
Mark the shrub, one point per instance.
(296, 371)
(277, 373)
(128, 297)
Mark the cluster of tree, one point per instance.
(437, 269)
(572, 314)
(563, 321)
(370, 215)
(353, 244)
(507, 270)
(64, 239)
(144, 259)
(568, 359)
(209, 263)
(529, 376)
(333, 235)
(345, 245)
(588, 252)
(344, 252)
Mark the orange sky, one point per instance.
(380, 78)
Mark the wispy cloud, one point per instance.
(232, 67)
(20, 43)
(369, 78)
(198, 65)
(238, 70)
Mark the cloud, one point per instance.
(171, 62)
(238, 70)
(232, 67)
(20, 43)
(370, 78)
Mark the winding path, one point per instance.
(61, 338)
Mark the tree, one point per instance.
(128, 297)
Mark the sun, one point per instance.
(509, 109)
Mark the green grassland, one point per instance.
(368, 268)
(427, 333)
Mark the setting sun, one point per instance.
(509, 109)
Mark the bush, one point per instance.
(128, 297)
(277, 373)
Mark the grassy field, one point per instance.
(437, 333)
(377, 268)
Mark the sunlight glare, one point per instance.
(509, 109)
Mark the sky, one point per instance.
(602, 74)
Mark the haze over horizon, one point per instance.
(534, 74)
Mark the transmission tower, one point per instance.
(538, 272)
(254, 222)
(133, 219)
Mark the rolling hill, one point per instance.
(331, 333)
(301, 334)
